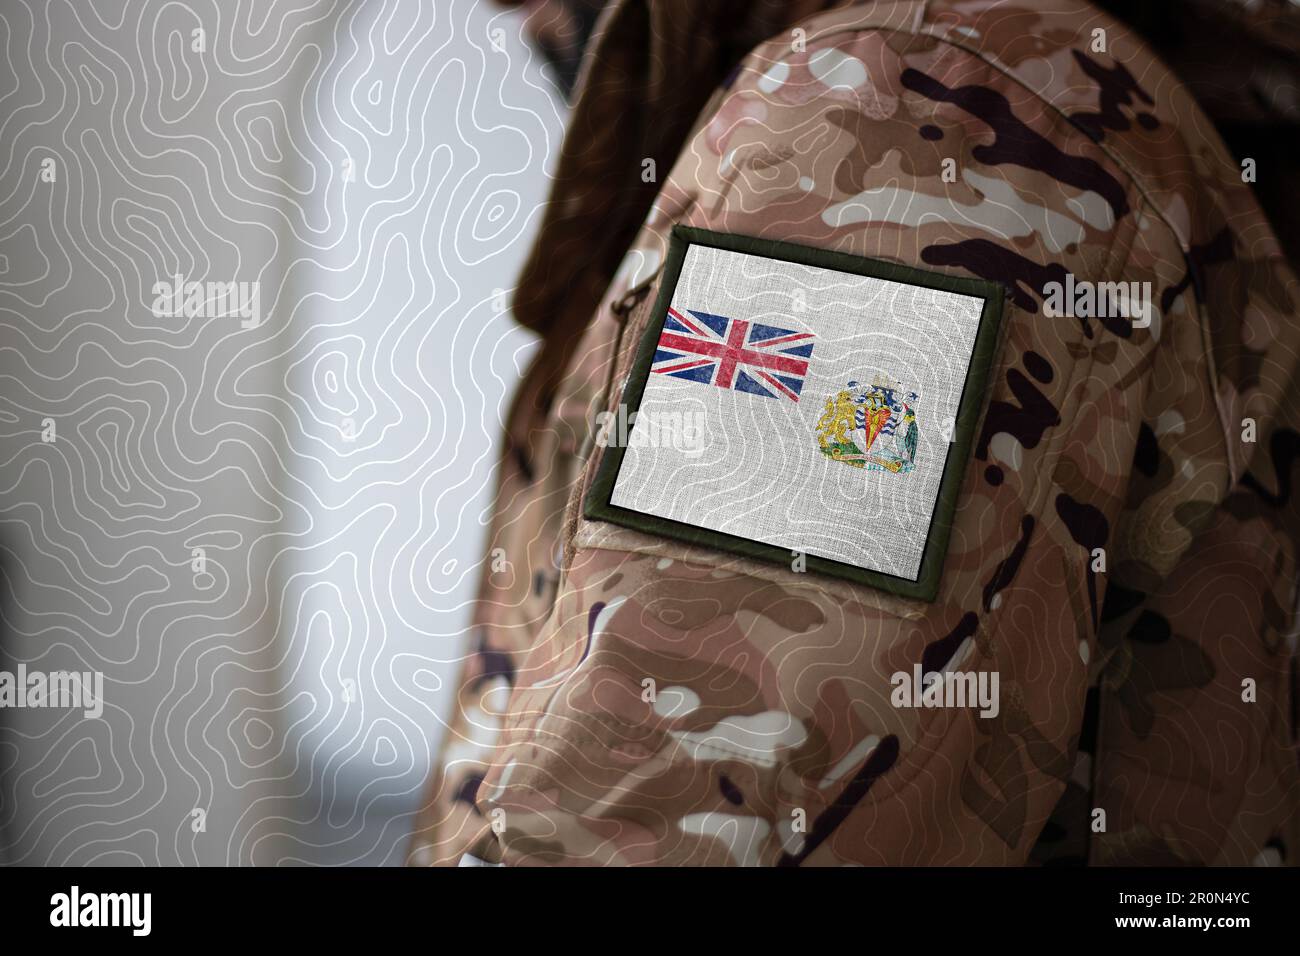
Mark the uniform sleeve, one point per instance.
(680, 705)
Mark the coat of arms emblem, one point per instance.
(872, 427)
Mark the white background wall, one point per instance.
(378, 169)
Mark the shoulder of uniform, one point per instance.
(1083, 79)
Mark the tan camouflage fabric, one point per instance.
(631, 701)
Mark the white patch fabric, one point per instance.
(800, 406)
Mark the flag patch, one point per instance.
(859, 479)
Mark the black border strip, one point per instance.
(598, 507)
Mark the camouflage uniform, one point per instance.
(771, 738)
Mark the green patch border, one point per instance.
(597, 506)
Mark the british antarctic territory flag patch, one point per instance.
(804, 407)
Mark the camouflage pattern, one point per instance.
(770, 737)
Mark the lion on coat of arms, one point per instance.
(881, 416)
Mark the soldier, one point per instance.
(691, 661)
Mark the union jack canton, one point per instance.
(733, 353)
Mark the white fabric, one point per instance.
(760, 473)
